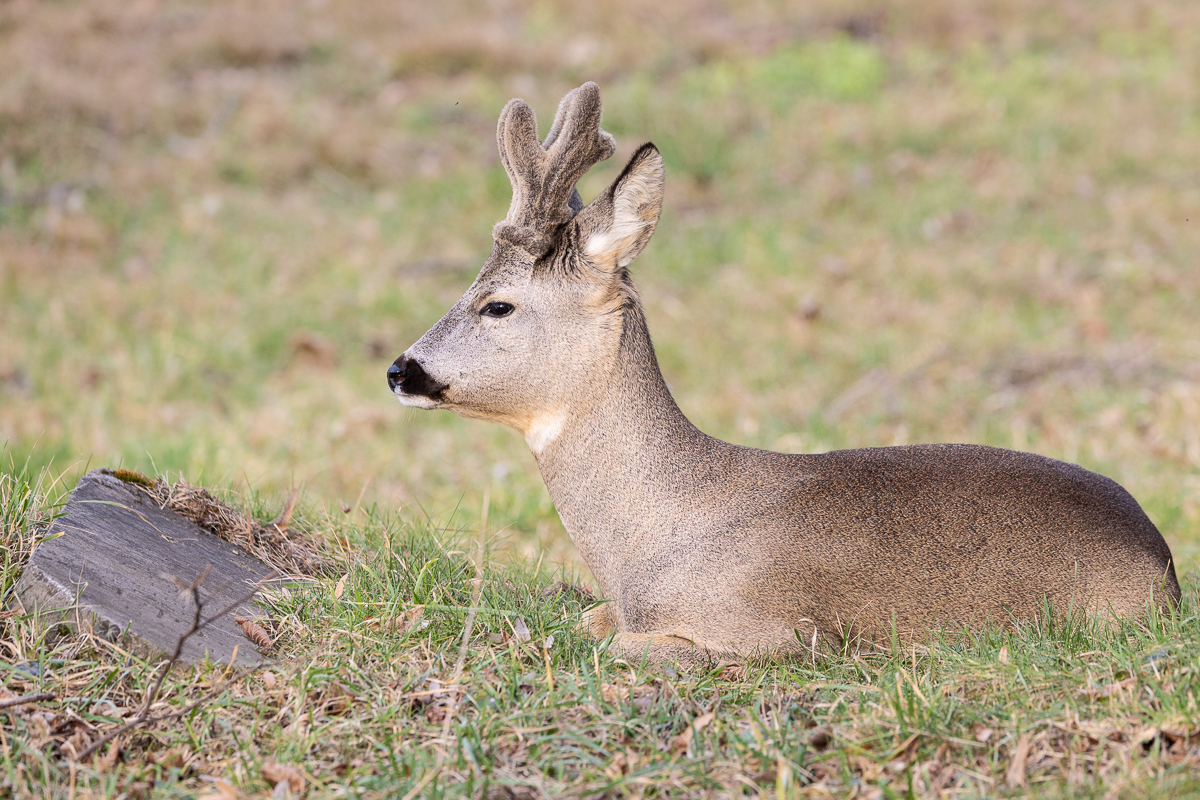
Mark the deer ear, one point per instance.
(620, 221)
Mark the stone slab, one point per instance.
(107, 574)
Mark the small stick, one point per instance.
(26, 698)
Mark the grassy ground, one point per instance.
(885, 223)
(382, 687)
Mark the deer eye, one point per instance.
(497, 309)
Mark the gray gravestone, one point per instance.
(108, 574)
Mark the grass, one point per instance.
(358, 698)
(885, 223)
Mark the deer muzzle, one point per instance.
(409, 380)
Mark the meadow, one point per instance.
(885, 223)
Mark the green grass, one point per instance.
(360, 706)
(977, 227)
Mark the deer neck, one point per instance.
(623, 460)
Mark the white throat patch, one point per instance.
(544, 430)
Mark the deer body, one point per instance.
(708, 549)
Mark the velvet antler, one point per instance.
(543, 175)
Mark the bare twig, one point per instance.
(26, 698)
(179, 712)
(142, 717)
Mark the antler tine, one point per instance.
(522, 156)
(543, 176)
(574, 145)
(564, 108)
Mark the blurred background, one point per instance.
(886, 222)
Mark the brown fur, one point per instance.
(706, 549)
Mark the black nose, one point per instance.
(396, 373)
(407, 376)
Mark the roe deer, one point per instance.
(711, 550)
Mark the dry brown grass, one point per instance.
(288, 548)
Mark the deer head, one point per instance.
(537, 333)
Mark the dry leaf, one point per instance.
(1146, 736)
(982, 734)
(172, 759)
(400, 624)
(1181, 734)
(734, 672)
(254, 632)
(281, 522)
(340, 589)
(40, 726)
(681, 742)
(520, 630)
(342, 768)
(1016, 770)
(221, 789)
(336, 699)
(106, 762)
(275, 773)
(821, 737)
(77, 743)
(409, 620)
(435, 701)
(621, 764)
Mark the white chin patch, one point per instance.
(417, 401)
(544, 430)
